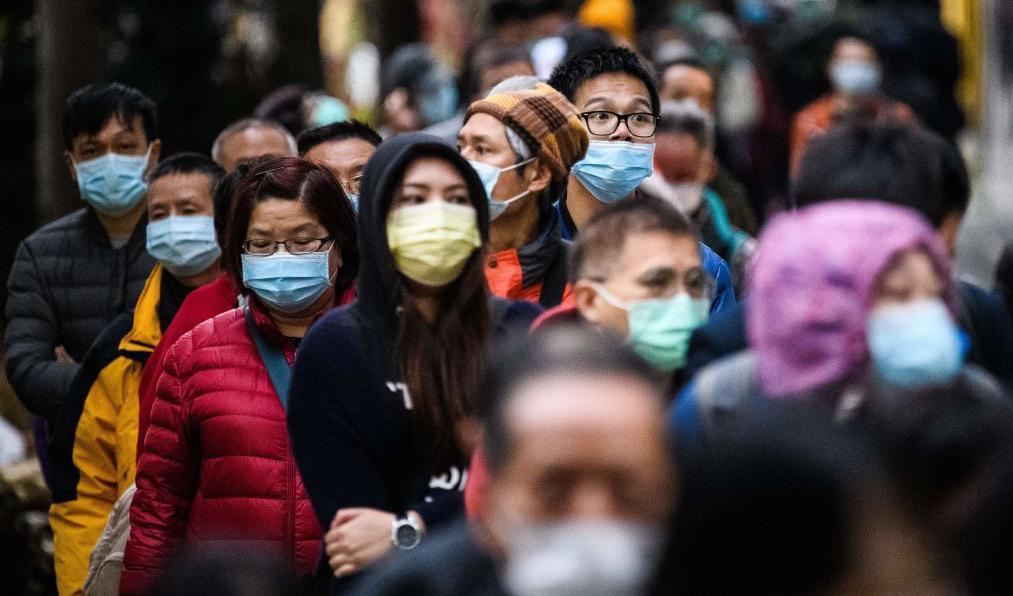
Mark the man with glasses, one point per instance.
(616, 96)
(343, 148)
(638, 274)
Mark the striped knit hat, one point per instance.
(545, 119)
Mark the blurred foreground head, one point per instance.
(784, 502)
(580, 473)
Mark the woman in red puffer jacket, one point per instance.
(217, 466)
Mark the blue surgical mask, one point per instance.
(855, 78)
(490, 176)
(915, 344)
(611, 170)
(354, 200)
(113, 183)
(288, 283)
(185, 244)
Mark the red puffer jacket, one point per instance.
(217, 465)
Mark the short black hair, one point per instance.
(563, 349)
(575, 71)
(484, 56)
(602, 239)
(188, 163)
(895, 163)
(337, 131)
(89, 109)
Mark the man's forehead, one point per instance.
(115, 125)
(612, 87)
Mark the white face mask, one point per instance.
(600, 557)
(489, 175)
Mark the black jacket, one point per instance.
(352, 432)
(66, 285)
(982, 316)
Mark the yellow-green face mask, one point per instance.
(432, 242)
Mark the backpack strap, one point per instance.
(274, 360)
(554, 282)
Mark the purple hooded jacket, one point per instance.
(811, 287)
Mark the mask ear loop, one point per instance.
(334, 277)
(609, 297)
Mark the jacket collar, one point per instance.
(146, 331)
(98, 234)
(537, 256)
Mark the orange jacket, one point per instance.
(817, 118)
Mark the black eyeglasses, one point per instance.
(604, 123)
(294, 246)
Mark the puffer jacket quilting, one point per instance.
(217, 466)
(67, 283)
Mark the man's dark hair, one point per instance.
(601, 241)
(894, 163)
(337, 131)
(89, 109)
(574, 72)
(188, 163)
(575, 349)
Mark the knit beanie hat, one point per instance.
(545, 119)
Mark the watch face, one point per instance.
(406, 535)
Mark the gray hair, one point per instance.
(516, 83)
(687, 117)
(245, 124)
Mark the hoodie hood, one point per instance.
(811, 289)
(378, 279)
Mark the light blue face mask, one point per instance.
(490, 176)
(611, 170)
(855, 78)
(185, 244)
(288, 283)
(113, 183)
(354, 200)
(915, 345)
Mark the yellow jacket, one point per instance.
(104, 446)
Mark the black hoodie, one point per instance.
(352, 433)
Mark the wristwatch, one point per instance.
(406, 533)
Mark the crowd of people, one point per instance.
(551, 344)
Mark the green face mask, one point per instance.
(660, 328)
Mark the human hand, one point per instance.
(357, 537)
(62, 356)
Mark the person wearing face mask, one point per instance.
(218, 423)
(73, 276)
(902, 165)
(871, 309)
(617, 98)
(580, 478)
(638, 275)
(343, 148)
(381, 389)
(523, 144)
(684, 161)
(201, 304)
(92, 443)
(855, 75)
